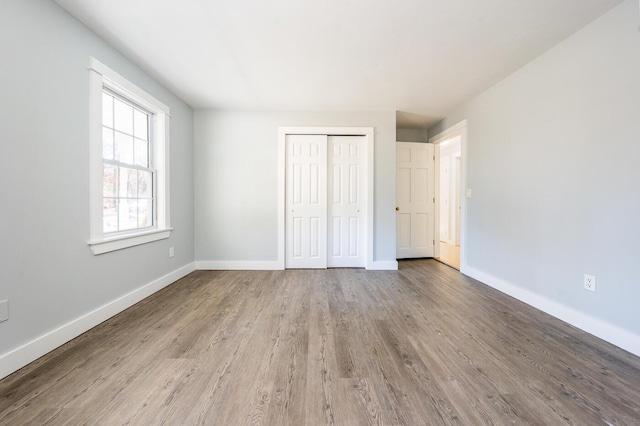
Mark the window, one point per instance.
(129, 163)
(128, 174)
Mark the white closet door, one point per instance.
(414, 196)
(306, 201)
(346, 202)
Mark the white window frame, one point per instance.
(102, 77)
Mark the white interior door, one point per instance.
(415, 200)
(346, 202)
(306, 201)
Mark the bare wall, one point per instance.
(236, 180)
(553, 162)
(48, 272)
(411, 135)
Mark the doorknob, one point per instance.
(397, 208)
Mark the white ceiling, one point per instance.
(421, 58)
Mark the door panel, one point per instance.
(414, 195)
(306, 200)
(355, 243)
(403, 193)
(404, 230)
(421, 231)
(346, 208)
(336, 243)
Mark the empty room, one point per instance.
(288, 212)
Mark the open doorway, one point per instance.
(449, 205)
(450, 147)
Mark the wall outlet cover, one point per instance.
(589, 282)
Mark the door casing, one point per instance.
(455, 130)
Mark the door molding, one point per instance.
(368, 133)
(458, 129)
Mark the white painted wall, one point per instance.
(548, 205)
(236, 181)
(47, 270)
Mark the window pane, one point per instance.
(128, 212)
(107, 109)
(123, 116)
(109, 181)
(145, 180)
(109, 215)
(128, 183)
(124, 148)
(141, 153)
(107, 143)
(144, 213)
(140, 123)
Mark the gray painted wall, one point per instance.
(554, 165)
(47, 271)
(236, 180)
(411, 135)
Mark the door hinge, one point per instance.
(434, 158)
(434, 199)
(434, 242)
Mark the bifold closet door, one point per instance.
(306, 201)
(346, 202)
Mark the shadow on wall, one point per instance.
(411, 120)
(411, 135)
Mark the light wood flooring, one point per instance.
(424, 345)
(450, 254)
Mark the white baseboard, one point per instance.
(272, 265)
(29, 352)
(384, 265)
(238, 265)
(605, 331)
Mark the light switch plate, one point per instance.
(468, 193)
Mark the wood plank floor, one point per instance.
(420, 346)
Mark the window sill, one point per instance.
(124, 241)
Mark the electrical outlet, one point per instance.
(4, 310)
(589, 282)
(172, 252)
